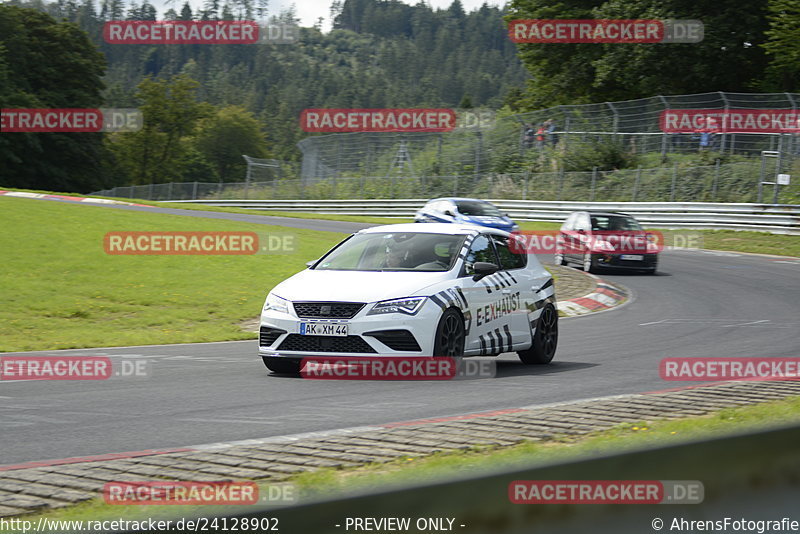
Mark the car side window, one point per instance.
(480, 250)
(508, 260)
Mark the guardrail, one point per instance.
(775, 218)
(745, 477)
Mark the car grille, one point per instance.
(267, 335)
(330, 310)
(325, 344)
(402, 340)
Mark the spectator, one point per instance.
(541, 136)
(529, 135)
(550, 128)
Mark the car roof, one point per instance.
(612, 213)
(433, 228)
(456, 199)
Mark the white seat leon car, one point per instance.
(411, 290)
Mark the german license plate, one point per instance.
(635, 257)
(323, 329)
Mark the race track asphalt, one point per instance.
(701, 303)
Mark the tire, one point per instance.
(558, 259)
(545, 340)
(449, 340)
(588, 264)
(282, 366)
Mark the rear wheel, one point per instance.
(450, 334)
(282, 366)
(545, 340)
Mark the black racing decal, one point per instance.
(508, 335)
(511, 276)
(533, 306)
(438, 302)
(491, 341)
(483, 344)
(485, 283)
(547, 284)
(463, 297)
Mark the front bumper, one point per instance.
(368, 335)
(615, 261)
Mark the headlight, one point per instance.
(275, 303)
(409, 306)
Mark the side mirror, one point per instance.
(482, 269)
(449, 213)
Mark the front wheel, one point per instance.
(589, 264)
(545, 340)
(282, 366)
(450, 335)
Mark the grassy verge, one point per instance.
(414, 470)
(65, 292)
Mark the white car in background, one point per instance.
(407, 290)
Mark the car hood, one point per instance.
(356, 286)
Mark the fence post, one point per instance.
(594, 184)
(150, 192)
(761, 176)
(636, 182)
(525, 188)
(194, 191)
(169, 191)
(674, 179)
(560, 182)
(716, 181)
(247, 178)
(219, 196)
(778, 164)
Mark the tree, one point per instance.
(45, 64)
(224, 137)
(728, 59)
(783, 45)
(170, 112)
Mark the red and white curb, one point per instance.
(604, 297)
(67, 198)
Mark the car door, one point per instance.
(480, 295)
(518, 286)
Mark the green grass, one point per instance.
(61, 290)
(441, 466)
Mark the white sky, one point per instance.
(310, 10)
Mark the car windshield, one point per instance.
(475, 207)
(611, 223)
(394, 251)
